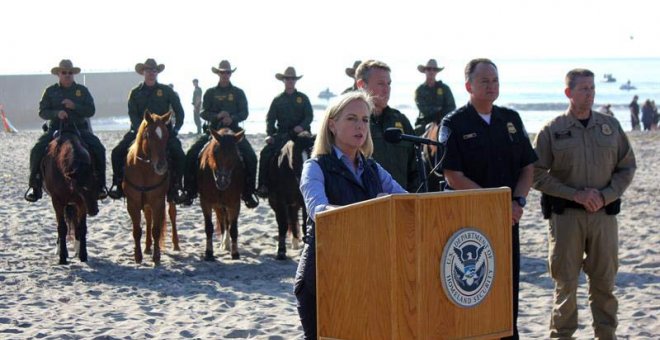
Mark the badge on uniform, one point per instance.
(219, 98)
(398, 125)
(78, 93)
(299, 100)
(511, 128)
(445, 132)
(439, 92)
(159, 93)
(469, 135)
(606, 129)
(230, 97)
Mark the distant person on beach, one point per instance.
(373, 76)
(197, 105)
(67, 103)
(158, 99)
(350, 71)
(433, 98)
(585, 164)
(342, 157)
(289, 114)
(487, 147)
(634, 114)
(656, 116)
(648, 115)
(607, 110)
(224, 105)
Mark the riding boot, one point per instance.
(103, 190)
(176, 192)
(116, 192)
(262, 189)
(250, 199)
(190, 185)
(34, 192)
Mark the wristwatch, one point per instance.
(522, 201)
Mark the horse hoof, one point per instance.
(63, 261)
(208, 256)
(280, 257)
(235, 256)
(147, 250)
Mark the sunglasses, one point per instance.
(290, 78)
(151, 70)
(225, 72)
(65, 73)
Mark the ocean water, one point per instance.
(534, 87)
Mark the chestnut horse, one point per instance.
(284, 195)
(146, 182)
(432, 157)
(69, 179)
(221, 176)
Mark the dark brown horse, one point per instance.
(145, 184)
(69, 180)
(284, 194)
(432, 156)
(221, 178)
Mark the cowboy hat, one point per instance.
(290, 72)
(431, 64)
(149, 63)
(350, 71)
(224, 66)
(65, 64)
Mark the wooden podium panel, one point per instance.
(378, 267)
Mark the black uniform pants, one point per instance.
(92, 142)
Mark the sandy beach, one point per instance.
(111, 297)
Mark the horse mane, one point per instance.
(286, 153)
(206, 159)
(134, 149)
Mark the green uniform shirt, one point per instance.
(51, 104)
(398, 159)
(197, 95)
(287, 111)
(231, 99)
(158, 99)
(433, 102)
(573, 157)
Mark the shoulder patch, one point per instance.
(299, 100)
(606, 129)
(159, 93)
(439, 91)
(445, 132)
(78, 93)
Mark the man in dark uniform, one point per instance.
(350, 71)
(398, 159)
(158, 99)
(66, 102)
(634, 114)
(224, 105)
(486, 147)
(290, 113)
(197, 105)
(433, 98)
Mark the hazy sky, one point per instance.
(114, 35)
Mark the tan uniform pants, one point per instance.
(589, 241)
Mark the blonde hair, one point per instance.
(325, 138)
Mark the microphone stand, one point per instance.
(424, 187)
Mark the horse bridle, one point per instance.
(143, 188)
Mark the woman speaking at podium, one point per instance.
(340, 172)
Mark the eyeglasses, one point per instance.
(225, 72)
(149, 69)
(65, 73)
(290, 78)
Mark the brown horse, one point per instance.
(69, 180)
(432, 156)
(145, 184)
(221, 178)
(284, 194)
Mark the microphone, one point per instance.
(395, 135)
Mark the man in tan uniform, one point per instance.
(585, 164)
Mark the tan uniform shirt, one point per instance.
(573, 157)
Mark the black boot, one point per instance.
(103, 191)
(116, 192)
(190, 185)
(34, 192)
(176, 193)
(262, 191)
(250, 199)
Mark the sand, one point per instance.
(112, 297)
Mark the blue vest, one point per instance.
(342, 188)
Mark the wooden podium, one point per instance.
(379, 267)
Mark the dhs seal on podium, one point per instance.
(467, 269)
